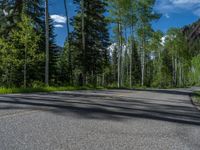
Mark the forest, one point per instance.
(112, 44)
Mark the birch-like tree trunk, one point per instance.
(143, 60)
(119, 55)
(131, 52)
(25, 65)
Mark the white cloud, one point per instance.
(167, 15)
(58, 26)
(181, 2)
(58, 18)
(178, 6)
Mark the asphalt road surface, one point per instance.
(100, 120)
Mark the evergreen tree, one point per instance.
(54, 56)
(91, 60)
(136, 69)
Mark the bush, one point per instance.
(37, 84)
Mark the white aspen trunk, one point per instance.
(130, 75)
(143, 61)
(180, 73)
(160, 64)
(25, 66)
(119, 57)
(173, 69)
(131, 53)
(103, 80)
(175, 73)
(143, 58)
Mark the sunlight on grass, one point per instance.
(4, 90)
(44, 89)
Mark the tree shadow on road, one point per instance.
(168, 91)
(103, 107)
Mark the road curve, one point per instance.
(100, 120)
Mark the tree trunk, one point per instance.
(47, 43)
(103, 80)
(173, 70)
(83, 40)
(143, 58)
(142, 64)
(131, 52)
(180, 74)
(119, 58)
(25, 66)
(175, 73)
(68, 42)
(120, 47)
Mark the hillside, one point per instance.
(192, 31)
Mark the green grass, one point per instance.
(44, 89)
(4, 90)
(196, 97)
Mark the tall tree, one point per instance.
(69, 44)
(54, 56)
(83, 37)
(47, 42)
(91, 40)
(117, 18)
(22, 54)
(145, 16)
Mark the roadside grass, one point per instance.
(37, 89)
(45, 89)
(196, 97)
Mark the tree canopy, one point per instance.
(111, 43)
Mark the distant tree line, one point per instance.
(131, 54)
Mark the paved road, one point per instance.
(100, 120)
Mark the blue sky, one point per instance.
(175, 13)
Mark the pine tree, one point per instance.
(91, 60)
(68, 43)
(136, 68)
(10, 13)
(54, 56)
(9, 16)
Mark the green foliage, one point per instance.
(196, 98)
(23, 47)
(8, 62)
(194, 74)
(45, 89)
(137, 58)
(54, 57)
(92, 60)
(22, 42)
